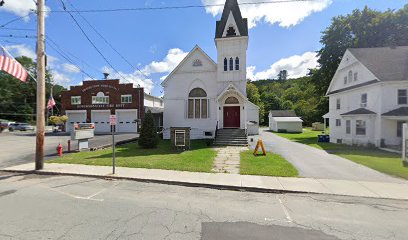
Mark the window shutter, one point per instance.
(185, 109)
(208, 108)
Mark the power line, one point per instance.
(93, 44)
(68, 59)
(173, 7)
(66, 53)
(17, 36)
(107, 42)
(16, 19)
(17, 29)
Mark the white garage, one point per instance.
(284, 121)
(74, 116)
(101, 120)
(126, 120)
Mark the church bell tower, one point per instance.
(231, 39)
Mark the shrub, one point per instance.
(148, 135)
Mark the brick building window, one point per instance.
(75, 100)
(126, 99)
(100, 98)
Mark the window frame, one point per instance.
(231, 64)
(363, 104)
(75, 102)
(126, 96)
(361, 127)
(350, 76)
(237, 63)
(96, 99)
(399, 97)
(338, 122)
(338, 104)
(195, 109)
(355, 76)
(348, 126)
(345, 80)
(225, 64)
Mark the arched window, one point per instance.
(231, 64)
(231, 100)
(197, 104)
(231, 32)
(225, 64)
(236, 63)
(350, 76)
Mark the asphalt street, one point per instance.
(19, 147)
(63, 207)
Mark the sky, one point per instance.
(144, 46)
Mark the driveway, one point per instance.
(315, 163)
(19, 147)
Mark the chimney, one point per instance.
(106, 75)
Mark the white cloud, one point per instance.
(136, 78)
(297, 66)
(71, 68)
(60, 78)
(286, 14)
(173, 58)
(21, 50)
(20, 7)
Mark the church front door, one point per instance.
(232, 117)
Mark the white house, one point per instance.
(368, 97)
(156, 107)
(284, 121)
(203, 94)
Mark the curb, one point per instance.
(176, 183)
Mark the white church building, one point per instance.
(368, 97)
(205, 95)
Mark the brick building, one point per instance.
(96, 100)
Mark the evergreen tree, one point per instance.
(148, 135)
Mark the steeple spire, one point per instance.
(231, 6)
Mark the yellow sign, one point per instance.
(260, 144)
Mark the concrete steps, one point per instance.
(231, 137)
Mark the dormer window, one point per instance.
(231, 64)
(231, 32)
(225, 64)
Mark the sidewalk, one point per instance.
(230, 181)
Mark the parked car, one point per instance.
(21, 127)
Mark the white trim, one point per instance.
(104, 110)
(75, 111)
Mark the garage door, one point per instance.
(74, 117)
(101, 121)
(126, 121)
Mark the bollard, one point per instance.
(69, 145)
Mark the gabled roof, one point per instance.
(402, 111)
(386, 63)
(196, 48)
(354, 86)
(242, 23)
(359, 111)
(283, 113)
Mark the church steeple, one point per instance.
(231, 23)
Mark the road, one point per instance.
(64, 207)
(316, 163)
(19, 147)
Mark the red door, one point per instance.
(232, 117)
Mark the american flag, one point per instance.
(12, 67)
(51, 103)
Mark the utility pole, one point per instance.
(39, 148)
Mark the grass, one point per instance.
(199, 159)
(269, 165)
(382, 161)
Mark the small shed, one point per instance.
(284, 121)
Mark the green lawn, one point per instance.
(382, 161)
(199, 159)
(269, 165)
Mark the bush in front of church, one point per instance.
(148, 135)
